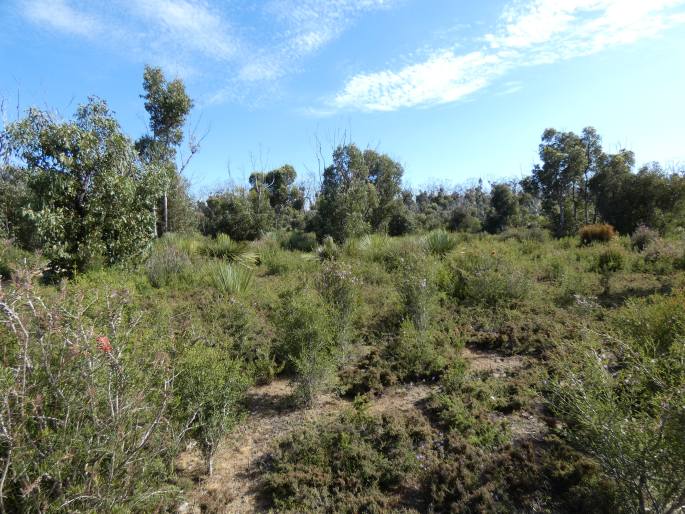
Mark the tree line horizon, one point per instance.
(86, 194)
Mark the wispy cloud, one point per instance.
(529, 33)
(59, 15)
(199, 37)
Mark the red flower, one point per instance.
(103, 344)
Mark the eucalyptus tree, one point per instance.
(564, 160)
(90, 195)
(168, 106)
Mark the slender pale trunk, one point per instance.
(154, 221)
(166, 212)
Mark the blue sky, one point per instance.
(453, 90)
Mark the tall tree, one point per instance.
(347, 197)
(90, 195)
(594, 154)
(563, 162)
(168, 106)
(386, 176)
(504, 209)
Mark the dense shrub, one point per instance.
(599, 232)
(625, 407)
(400, 224)
(549, 478)
(643, 237)
(301, 241)
(308, 342)
(357, 463)
(610, 260)
(482, 279)
(166, 264)
(86, 404)
(439, 243)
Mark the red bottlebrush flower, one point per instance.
(103, 344)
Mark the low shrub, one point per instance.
(223, 247)
(308, 342)
(487, 280)
(328, 250)
(229, 279)
(439, 243)
(208, 389)
(624, 404)
(166, 265)
(358, 463)
(598, 232)
(301, 241)
(610, 260)
(550, 477)
(85, 404)
(643, 237)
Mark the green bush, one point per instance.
(625, 407)
(488, 280)
(223, 247)
(301, 241)
(610, 260)
(208, 389)
(307, 342)
(328, 250)
(85, 404)
(166, 264)
(229, 279)
(439, 243)
(355, 464)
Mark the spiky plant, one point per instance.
(439, 243)
(223, 247)
(230, 279)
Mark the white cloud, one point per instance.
(529, 33)
(204, 38)
(57, 14)
(190, 24)
(445, 77)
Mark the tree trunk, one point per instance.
(166, 212)
(154, 221)
(585, 186)
(562, 217)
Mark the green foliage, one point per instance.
(610, 260)
(439, 243)
(307, 342)
(301, 241)
(243, 215)
(229, 279)
(166, 264)
(353, 464)
(625, 408)
(223, 247)
(485, 279)
(91, 197)
(208, 392)
(328, 250)
(88, 429)
(504, 205)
